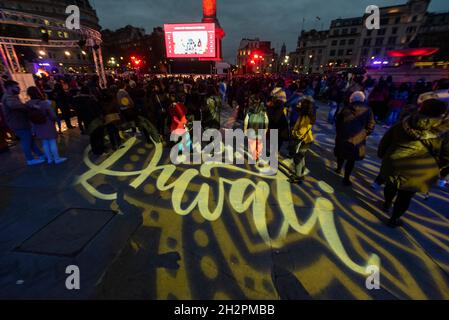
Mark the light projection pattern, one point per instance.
(237, 218)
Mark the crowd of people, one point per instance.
(414, 150)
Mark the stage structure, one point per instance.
(7, 44)
(195, 47)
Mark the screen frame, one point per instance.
(170, 28)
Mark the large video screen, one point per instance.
(193, 40)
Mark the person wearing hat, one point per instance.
(413, 154)
(354, 123)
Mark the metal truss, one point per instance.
(8, 53)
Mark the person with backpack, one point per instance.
(127, 106)
(213, 109)
(43, 120)
(354, 123)
(302, 136)
(256, 125)
(414, 152)
(16, 115)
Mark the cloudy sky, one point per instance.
(276, 20)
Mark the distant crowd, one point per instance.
(414, 150)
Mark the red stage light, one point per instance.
(253, 62)
(415, 52)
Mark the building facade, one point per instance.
(348, 43)
(122, 44)
(435, 33)
(52, 28)
(343, 42)
(255, 57)
(399, 27)
(310, 53)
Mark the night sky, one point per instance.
(277, 20)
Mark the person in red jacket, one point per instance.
(178, 114)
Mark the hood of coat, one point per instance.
(421, 127)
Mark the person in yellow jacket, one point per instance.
(302, 136)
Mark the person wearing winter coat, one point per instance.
(87, 106)
(159, 105)
(255, 125)
(46, 129)
(302, 136)
(413, 154)
(278, 120)
(378, 100)
(178, 114)
(3, 132)
(90, 113)
(127, 107)
(354, 123)
(16, 116)
(211, 115)
(62, 98)
(112, 119)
